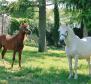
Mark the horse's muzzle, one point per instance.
(61, 42)
(28, 32)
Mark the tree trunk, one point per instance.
(42, 25)
(56, 23)
(2, 23)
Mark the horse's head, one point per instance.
(25, 28)
(63, 32)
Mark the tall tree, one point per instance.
(84, 10)
(42, 25)
(56, 22)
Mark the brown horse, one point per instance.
(14, 43)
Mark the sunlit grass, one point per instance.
(50, 67)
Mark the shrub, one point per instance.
(13, 26)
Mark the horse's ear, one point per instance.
(25, 25)
(28, 26)
(59, 28)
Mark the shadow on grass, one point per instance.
(31, 54)
(56, 48)
(39, 54)
(31, 75)
(40, 76)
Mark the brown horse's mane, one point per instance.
(8, 36)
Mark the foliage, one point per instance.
(21, 8)
(74, 12)
(82, 8)
(56, 24)
(52, 35)
(13, 26)
(49, 34)
(3, 6)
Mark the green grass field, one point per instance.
(41, 68)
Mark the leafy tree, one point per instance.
(83, 7)
(21, 8)
(54, 30)
(3, 6)
(56, 23)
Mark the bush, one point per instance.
(52, 34)
(13, 26)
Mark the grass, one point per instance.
(41, 68)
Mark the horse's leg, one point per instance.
(0, 48)
(3, 53)
(89, 66)
(20, 52)
(70, 67)
(13, 58)
(75, 66)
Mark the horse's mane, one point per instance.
(12, 36)
(72, 32)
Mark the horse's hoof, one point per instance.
(75, 77)
(70, 75)
(11, 67)
(20, 67)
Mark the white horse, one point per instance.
(75, 48)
